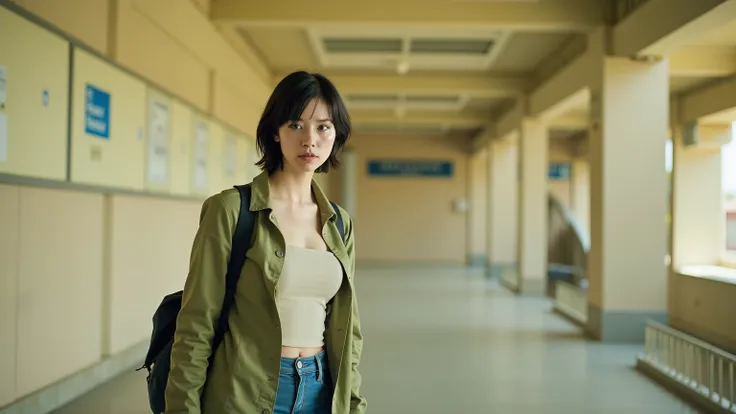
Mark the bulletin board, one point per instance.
(158, 141)
(34, 99)
(200, 159)
(108, 140)
(182, 139)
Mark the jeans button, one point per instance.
(299, 364)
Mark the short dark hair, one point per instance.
(286, 104)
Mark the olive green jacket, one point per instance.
(244, 375)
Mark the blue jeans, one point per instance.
(305, 386)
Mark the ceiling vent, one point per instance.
(451, 46)
(404, 50)
(362, 45)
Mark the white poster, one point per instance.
(158, 142)
(200, 156)
(231, 154)
(3, 86)
(3, 137)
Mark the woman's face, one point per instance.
(307, 143)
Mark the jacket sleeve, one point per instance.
(202, 299)
(358, 403)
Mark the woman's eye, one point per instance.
(295, 126)
(324, 127)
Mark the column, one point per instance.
(477, 217)
(626, 265)
(533, 206)
(502, 210)
(581, 192)
(698, 216)
(348, 184)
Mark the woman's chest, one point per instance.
(300, 226)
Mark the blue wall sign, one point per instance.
(559, 171)
(97, 112)
(422, 168)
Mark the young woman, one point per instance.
(294, 339)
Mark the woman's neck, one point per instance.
(292, 188)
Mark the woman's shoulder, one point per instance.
(225, 203)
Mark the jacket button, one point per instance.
(279, 253)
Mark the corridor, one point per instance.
(441, 341)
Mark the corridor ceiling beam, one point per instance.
(703, 61)
(659, 27)
(481, 140)
(566, 88)
(473, 86)
(707, 101)
(464, 120)
(549, 15)
(568, 122)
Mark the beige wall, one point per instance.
(478, 188)
(409, 219)
(109, 259)
(107, 262)
(54, 285)
(703, 308)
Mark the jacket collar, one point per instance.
(261, 197)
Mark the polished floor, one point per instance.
(446, 341)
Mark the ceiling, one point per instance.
(434, 67)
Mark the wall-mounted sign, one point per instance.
(559, 171)
(415, 168)
(158, 141)
(200, 153)
(97, 112)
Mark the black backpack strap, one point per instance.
(240, 244)
(340, 225)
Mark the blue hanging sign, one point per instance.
(97, 112)
(421, 168)
(559, 171)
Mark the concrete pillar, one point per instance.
(477, 216)
(533, 206)
(581, 192)
(698, 216)
(502, 209)
(349, 183)
(626, 266)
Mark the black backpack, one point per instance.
(157, 360)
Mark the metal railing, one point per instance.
(567, 241)
(698, 368)
(509, 276)
(571, 301)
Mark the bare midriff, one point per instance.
(291, 352)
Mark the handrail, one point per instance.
(568, 244)
(699, 368)
(572, 221)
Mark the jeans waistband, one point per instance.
(305, 365)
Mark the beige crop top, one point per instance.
(310, 278)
